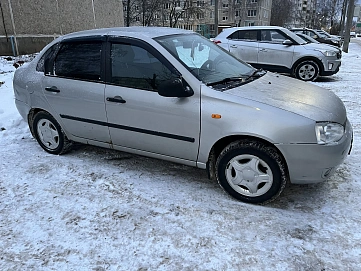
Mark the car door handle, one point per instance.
(263, 50)
(116, 99)
(52, 89)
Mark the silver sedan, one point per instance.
(172, 94)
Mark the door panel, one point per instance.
(74, 89)
(80, 105)
(243, 44)
(271, 51)
(149, 122)
(138, 117)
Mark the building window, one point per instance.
(251, 13)
(225, 18)
(200, 15)
(200, 3)
(250, 23)
(224, 5)
(253, 1)
(238, 13)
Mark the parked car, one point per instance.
(328, 35)
(280, 50)
(318, 36)
(352, 34)
(308, 39)
(172, 94)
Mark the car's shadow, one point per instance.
(293, 197)
(327, 79)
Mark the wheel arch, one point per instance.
(225, 141)
(308, 58)
(31, 116)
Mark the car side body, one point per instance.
(279, 50)
(174, 95)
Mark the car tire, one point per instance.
(307, 70)
(49, 134)
(251, 171)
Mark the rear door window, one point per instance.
(79, 60)
(249, 35)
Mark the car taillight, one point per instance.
(217, 41)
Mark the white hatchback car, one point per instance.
(280, 50)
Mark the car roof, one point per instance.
(252, 28)
(133, 31)
(303, 28)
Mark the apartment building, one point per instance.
(27, 26)
(198, 15)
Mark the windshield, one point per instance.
(294, 36)
(324, 34)
(204, 59)
(306, 38)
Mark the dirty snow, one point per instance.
(98, 209)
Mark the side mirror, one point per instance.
(287, 42)
(174, 88)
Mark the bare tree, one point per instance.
(281, 12)
(141, 12)
(327, 13)
(175, 10)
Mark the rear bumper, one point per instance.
(23, 109)
(313, 163)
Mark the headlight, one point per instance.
(328, 53)
(329, 133)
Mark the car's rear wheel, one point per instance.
(49, 134)
(251, 171)
(307, 70)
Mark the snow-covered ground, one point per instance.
(98, 209)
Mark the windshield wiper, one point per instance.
(257, 74)
(226, 80)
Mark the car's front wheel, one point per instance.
(49, 134)
(307, 70)
(251, 171)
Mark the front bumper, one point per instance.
(331, 67)
(313, 163)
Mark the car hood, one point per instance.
(294, 95)
(320, 46)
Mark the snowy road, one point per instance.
(97, 209)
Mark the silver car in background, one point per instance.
(277, 49)
(174, 95)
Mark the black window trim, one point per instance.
(106, 42)
(85, 39)
(246, 40)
